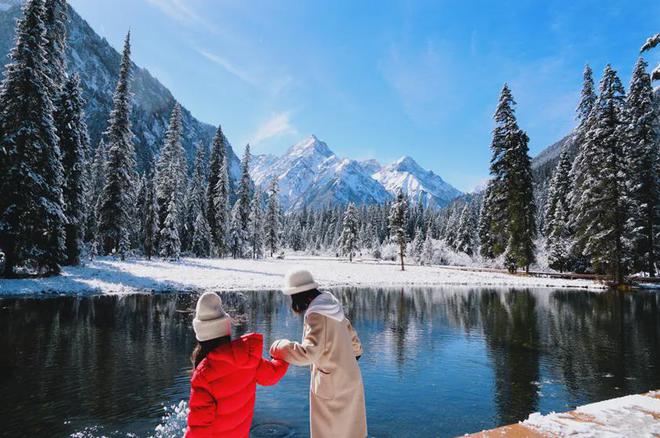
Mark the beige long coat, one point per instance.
(337, 406)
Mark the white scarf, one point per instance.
(328, 305)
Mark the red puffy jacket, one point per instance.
(224, 385)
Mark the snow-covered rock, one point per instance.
(418, 183)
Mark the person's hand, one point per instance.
(276, 349)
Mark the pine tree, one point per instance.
(171, 168)
(650, 43)
(31, 174)
(74, 144)
(94, 189)
(417, 246)
(150, 228)
(221, 209)
(256, 227)
(201, 240)
(598, 207)
(397, 224)
(117, 198)
(218, 160)
(559, 241)
(349, 232)
(195, 199)
(560, 189)
(244, 190)
(509, 206)
(272, 226)
(487, 246)
(466, 229)
(170, 245)
(55, 20)
(236, 238)
(428, 250)
(641, 172)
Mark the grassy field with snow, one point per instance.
(107, 275)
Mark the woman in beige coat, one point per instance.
(331, 346)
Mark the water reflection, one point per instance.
(437, 362)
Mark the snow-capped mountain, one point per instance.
(311, 175)
(418, 183)
(371, 166)
(97, 63)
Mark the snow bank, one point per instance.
(107, 275)
(630, 416)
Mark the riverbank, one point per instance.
(109, 275)
(629, 416)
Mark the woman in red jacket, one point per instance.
(224, 382)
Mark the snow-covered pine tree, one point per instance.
(428, 251)
(349, 232)
(245, 191)
(74, 144)
(641, 172)
(235, 236)
(117, 198)
(598, 207)
(222, 209)
(521, 211)
(218, 154)
(55, 20)
(560, 189)
(650, 43)
(171, 168)
(417, 246)
(486, 248)
(509, 205)
(397, 224)
(559, 239)
(505, 135)
(195, 200)
(150, 228)
(272, 226)
(466, 231)
(94, 188)
(31, 175)
(170, 245)
(201, 240)
(256, 227)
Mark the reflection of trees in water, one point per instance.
(510, 328)
(606, 344)
(97, 354)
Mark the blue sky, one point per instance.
(379, 79)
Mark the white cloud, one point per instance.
(279, 124)
(229, 66)
(180, 11)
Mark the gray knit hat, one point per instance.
(211, 321)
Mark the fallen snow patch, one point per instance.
(629, 416)
(107, 275)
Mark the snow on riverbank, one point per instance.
(630, 416)
(107, 275)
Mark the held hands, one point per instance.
(278, 349)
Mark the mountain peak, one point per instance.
(407, 164)
(310, 145)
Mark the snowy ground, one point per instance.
(630, 416)
(107, 275)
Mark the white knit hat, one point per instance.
(211, 321)
(297, 281)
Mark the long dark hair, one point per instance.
(300, 302)
(203, 348)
